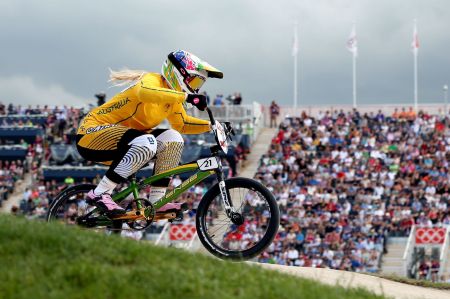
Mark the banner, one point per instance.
(430, 235)
(182, 232)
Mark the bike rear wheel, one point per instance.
(70, 206)
(251, 233)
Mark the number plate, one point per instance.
(208, 163)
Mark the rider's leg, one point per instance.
(128, 149)
(170, 148)
(136, 152)
(133, 155)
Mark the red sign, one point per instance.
(182, 232)
(433, 235)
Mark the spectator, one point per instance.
(237, 100)
(274, 112)
(218, 101)
(208, 100)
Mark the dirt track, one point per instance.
(353, 280)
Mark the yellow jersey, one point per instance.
(144, 106)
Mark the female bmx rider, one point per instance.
(121, 134)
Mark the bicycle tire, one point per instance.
(237, 255)
(62, 197)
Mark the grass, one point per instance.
(41, 260)
(415, 282)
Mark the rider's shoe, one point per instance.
(105, 203)
(173, 207)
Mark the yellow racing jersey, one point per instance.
(144, 106)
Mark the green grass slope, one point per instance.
(41, 260)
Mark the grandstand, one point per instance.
(362, 190)
(353, 186)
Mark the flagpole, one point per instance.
(415, 82)
(354, 80)
(295, 68)
(415, 52)
(352, 46)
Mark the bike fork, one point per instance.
(224, 193)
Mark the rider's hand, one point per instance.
(198, 100)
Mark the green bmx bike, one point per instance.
(236, 219)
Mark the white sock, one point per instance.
(156, 193)
(105, 186)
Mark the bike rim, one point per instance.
(229, 237)
(73, 206)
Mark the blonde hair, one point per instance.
(126, 75)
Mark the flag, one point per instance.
(415, 42)
(352, 43)
(295, 44)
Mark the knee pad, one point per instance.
(170, 136)
(142, 150)
(147, 141)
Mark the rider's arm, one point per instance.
(151, 91)
(187, 124)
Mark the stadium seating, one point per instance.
(345, 182)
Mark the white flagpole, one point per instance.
(295, 54)
(415, 52)
(354, 78)
(415, 83)
(354, 81)
(352, 46)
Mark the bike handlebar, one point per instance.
(228, 128)
(211, 116)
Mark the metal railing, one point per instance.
(387, 109)
(409, 249)
(233, 113)
(444, 252)
(248, 118)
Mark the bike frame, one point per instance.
(202, 172)
(135, 187)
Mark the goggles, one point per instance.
(195, 82)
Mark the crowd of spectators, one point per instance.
(429, 269)
(10, 173)
(346, 181)
(220, 100)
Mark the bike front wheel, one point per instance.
(252, 230)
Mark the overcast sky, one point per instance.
(59, 52)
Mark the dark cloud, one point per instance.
(64, 48)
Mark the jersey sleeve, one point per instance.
(151, 92)
(186, 124)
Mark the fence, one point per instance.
(248, 118)
(427, 237)
(387, 109)
(181, 235)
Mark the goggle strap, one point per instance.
(181, 69)
(178, 65)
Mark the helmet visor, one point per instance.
(195, 82)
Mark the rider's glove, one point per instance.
(198, 100)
